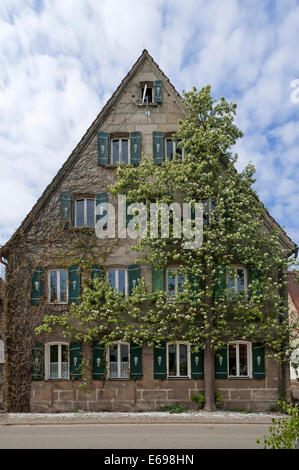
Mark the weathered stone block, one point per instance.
(265, 394)
(154, 394)
(178, 394)
(65, 395)
(240, 394)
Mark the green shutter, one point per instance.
(220, 283)
(96, 271)
(75, 361)
(197, 364)
(134, 276)
(37, 362)
(158, 91)
(158, 279)
(129, 217)
(160, 362)
(101, 207)
(221, 363)
(98, 361)
(66, 207)
(135, 155)
(254, 275)
(135, 361)
(158, 147)
(37, 286)
(103, 148)
(258, 360)
(74, 283)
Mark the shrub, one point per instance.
(199, 398)
(174, 408)
(285, 431)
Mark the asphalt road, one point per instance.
(133, 436)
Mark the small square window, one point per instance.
(147, 94)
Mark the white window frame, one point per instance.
(85, 211)
(48, 359)
(119, 139)
(235, 268)
(117, 278)
(173, 147)
(176, 279)
(58, 301)
(177, 343)
(142, 93)
(119, 343)
(249, 357)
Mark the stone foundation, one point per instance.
(149, 394)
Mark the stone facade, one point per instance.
(81, 176)
(150, 394)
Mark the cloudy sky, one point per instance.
(61, 60)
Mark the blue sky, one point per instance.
(60, 61)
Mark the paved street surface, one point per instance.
(132, 436)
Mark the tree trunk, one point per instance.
(209, 378)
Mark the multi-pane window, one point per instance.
(57, 283)
(178, 359)
(120, 151)
(174, 281)
(172, 148)
(85, 213)
(119, 361)
(57, 361)
(239, 363)
(118, 279)
(236, 280)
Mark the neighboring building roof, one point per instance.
(293, 278)
(95, 126)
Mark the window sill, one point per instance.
(239, 378)
(113, 379)
(58, 303)
(172, 377)
(57, 380)
(143, 105)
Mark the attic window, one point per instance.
(147, 94)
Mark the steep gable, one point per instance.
(122, 113)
